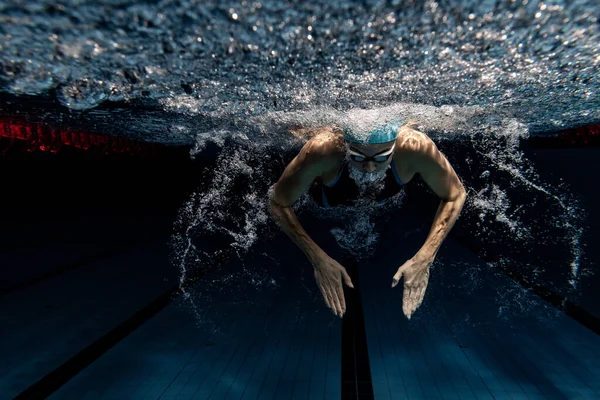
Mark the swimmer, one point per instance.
(339, 165)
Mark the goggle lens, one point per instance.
(377, 159)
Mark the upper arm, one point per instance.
(299, 174)
(436, 171)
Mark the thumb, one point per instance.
(347, 279)
(397, 277)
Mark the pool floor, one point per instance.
(485, 340)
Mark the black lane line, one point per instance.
(61, 375)
(560, 302)
(356, 369)
(583, 317)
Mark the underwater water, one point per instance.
(242, 83)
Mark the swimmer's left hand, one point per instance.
(416, 277)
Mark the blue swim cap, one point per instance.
(379, 134)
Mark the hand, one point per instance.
(328, 274)
(416, 277)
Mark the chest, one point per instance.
(330, 176)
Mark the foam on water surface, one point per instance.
(535, 61)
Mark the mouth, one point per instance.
(361, 176)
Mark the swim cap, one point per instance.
(379, 134)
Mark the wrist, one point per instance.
(424, 256)
(314, 256)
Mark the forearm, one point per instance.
(444, 220)
(287, 220)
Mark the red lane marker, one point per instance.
(37, 137)
(583, 136)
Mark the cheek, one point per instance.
(356, 165)
(382, 167)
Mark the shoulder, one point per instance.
(325, 148)
(412, 145)
(412, 141)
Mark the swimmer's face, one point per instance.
(370, 158)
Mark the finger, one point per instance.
(406, 311)
(336, 298)
(406, 299)
(409, 308)
(347, 279)
(397, 277)
(340, 293)
(406, 294)
(420, 296)
(332, 300)
(416, 298)
(413, 300)
(325, 295)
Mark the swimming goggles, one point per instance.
(378, 158)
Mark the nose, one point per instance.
(369, 166)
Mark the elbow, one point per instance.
(462, 197)
(462, 194)
(273, 207)
(458, 196)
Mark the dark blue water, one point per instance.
(232, 81)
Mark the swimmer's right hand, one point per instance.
(329, 274)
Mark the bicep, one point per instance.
(436, 171)
(296, 178)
